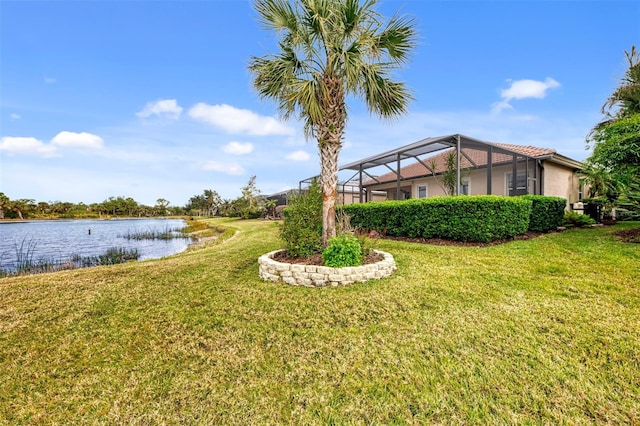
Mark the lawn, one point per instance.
(545, 330)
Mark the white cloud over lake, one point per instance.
(238, 148)
(238, 121)
(165, 108)
(77, 140)
(226, 168)
(26, 146)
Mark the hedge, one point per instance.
(482, 218)
(547, 213)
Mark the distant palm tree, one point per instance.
(599, 181)
(625, 100)
(330, 49)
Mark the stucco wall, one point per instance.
(477, 182)
(558, 181)
(561, 182)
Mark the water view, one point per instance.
(59, 241)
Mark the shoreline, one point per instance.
(47, 262)
(67, 219)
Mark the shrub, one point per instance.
(302, 228)
(463, 218)
(547, 213)
(343, 250)
(578, 220)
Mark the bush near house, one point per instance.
(301, 231)
(482, 218)
(547, 213)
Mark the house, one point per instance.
(481, 168)
(348, 193)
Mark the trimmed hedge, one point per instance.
(481, 218)
(547, 213)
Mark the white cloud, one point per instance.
(230, 169)
(15, 116)
(522, 89)
(238, 148)
(27, 146)
(298, 156)
(49, 80)
(78, 140)
(167, 108)
(498, 107)
(235, 120)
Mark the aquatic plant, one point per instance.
(153, 234)
(24, 254)
(27, 266)
(112, 256)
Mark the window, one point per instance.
(422, 191)
(521, 182)
(465, 186)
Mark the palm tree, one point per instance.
(625, 100)
(599, 181)
(330, 49)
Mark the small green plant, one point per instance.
(343, 250)
(577, 220)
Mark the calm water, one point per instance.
(59, 240)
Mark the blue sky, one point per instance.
(152, 99)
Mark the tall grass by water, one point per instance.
(539, 331)
(167, 233)
(24, 254)
(27, 263)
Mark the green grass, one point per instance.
(539, 331)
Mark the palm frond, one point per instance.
(383, 96)
(398, 39)
(343, 41)
(276, 15)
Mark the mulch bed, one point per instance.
(443, 242)
(628, 235)
(316, 259)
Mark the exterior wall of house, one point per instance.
(353, 196)
(558, 181)
(477, 180)
(561, 182)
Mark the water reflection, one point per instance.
(61, 240)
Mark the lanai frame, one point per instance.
(433, 145)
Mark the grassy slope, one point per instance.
(546, 330)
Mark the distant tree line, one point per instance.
(113, 206)
(249, 205)
(208, 204)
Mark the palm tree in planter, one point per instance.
(330, 49)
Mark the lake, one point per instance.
(59, 240)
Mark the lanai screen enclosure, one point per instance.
(468, 150)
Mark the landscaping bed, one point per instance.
(628, 235)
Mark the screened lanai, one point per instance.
(470, 154)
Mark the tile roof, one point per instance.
(471, 158)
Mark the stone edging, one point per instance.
(321, 276)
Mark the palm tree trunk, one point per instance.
(330, 131)
(329, 182)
